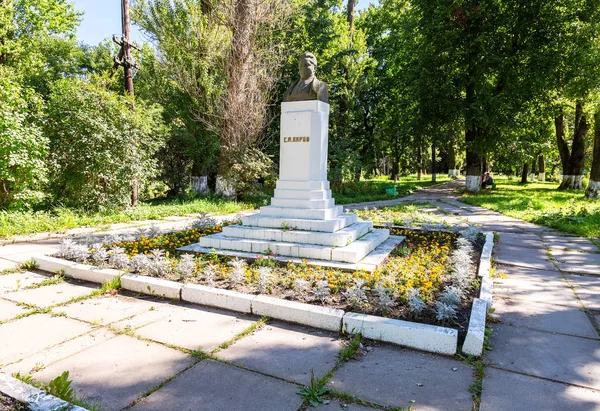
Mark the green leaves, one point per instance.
(313, 393)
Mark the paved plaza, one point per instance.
(126, 351)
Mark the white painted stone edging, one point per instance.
(305, 314)
(151, 286)
(424, 337)
(473, 344)
(35, 398)
(78, 271)
(217, 297)
(410, 334)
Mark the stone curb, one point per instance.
(35, 398)
(151, 286)
(305, 314)
(409, 334)
(216, 297)
(473, 344)
(77, 271)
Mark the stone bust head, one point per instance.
(308, 87)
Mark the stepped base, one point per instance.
(369, 263)
(326, 226)
(340, 238)
(351, 253)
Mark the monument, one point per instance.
(303, 221)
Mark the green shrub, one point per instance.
(23, 147)
(98, 145)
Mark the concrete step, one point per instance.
(303, 194)
(304, 213)
(369, 263)
(340, 238)
(302, 185)
(326, 226)
(302, 203)
(351, 253)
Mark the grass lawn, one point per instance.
(61, 218)
(375, 189)
(542, 203)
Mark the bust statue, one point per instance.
(308, 87)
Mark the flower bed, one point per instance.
(430, 278)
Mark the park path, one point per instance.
(130, 352)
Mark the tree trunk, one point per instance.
(525, 173)
(563, 146)
(474, 171)
(433, 164)
(350, 18)
(420, 163)
(542, 168)
(593, 188)
(452, 171)
(572, 179)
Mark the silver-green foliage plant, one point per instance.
(265, 277)
(186, 266)
(99, 255)
(239, 271)
(415, 304)
(118, 258)
(385, 297)
(321, 291)
(99, 146)
(301, 287)
(444, 312)
(356, 294)
(157, 266)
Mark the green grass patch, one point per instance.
(541, 203)
(375, 189)
(60, 219)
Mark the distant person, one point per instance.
(487, 181)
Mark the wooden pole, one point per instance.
(128, 71)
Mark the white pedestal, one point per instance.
(302, 220)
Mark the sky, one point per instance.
(102, 19)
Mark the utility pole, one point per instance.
(125, 60)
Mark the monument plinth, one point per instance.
(303, 221)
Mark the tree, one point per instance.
(593, 188)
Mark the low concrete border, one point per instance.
(474, 340)
(424, 337)
(306, 314)
(410, 334)
(35, 398)
(78, 271)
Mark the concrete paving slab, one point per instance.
(9, 310)
(106, 309)
(16, 281)
(549, 291)
(520, 240)
(587, 289)
(7, 264)
(286, 351)
(544, 317)
(22, 252)
(60, 351)
(572, 360)
(523, 273)
(503, 390)
(27, 336)
(338, 406)
(208, 386)
(523, 257)
(585, 246)
(575, 262)
(50, 295)
(395, 377)
(116, 372)
(195, 327)
(155, 313)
